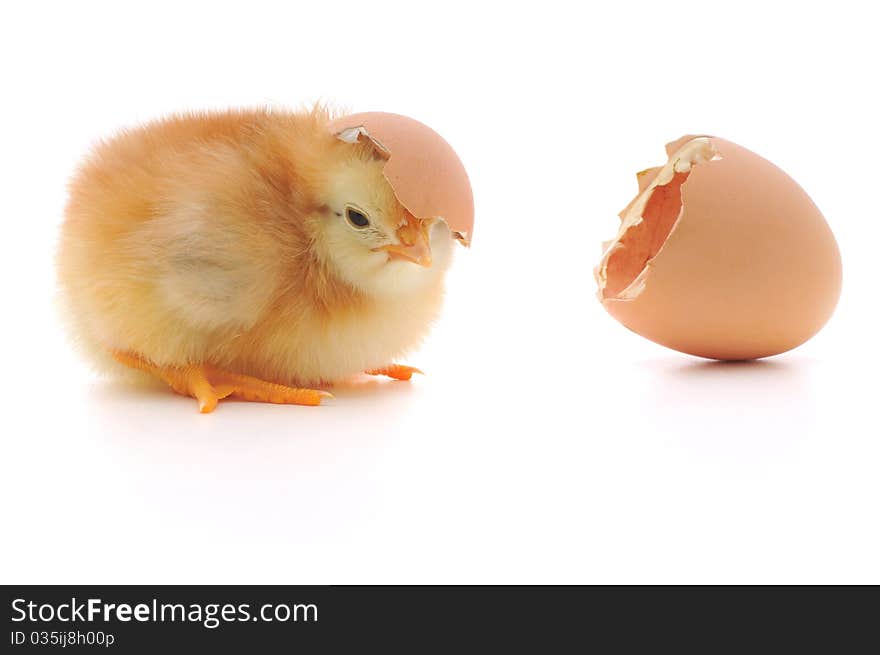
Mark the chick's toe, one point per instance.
(396, 371)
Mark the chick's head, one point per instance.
(367, 236)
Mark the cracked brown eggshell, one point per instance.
(424, 172)
(721, 255)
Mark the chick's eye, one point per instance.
(356, 218)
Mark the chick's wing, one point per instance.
(209, 272)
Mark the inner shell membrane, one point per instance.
(642, 241)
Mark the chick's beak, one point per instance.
(415, 244)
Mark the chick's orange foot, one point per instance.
(208, 384)
(396, 371)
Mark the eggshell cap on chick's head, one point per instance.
(749, 268)
(424, 172)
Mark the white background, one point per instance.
(546, 443)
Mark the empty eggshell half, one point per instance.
(720, 255)
(423, 170)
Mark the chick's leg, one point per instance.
(185, 380)
(396, 371)
(209, 384)
(250, 388)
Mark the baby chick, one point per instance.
(249, 254)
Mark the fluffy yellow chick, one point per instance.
(249, 254)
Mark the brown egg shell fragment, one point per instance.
(674, 146)
(424, 172)
(645, 178)
(750, 268)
